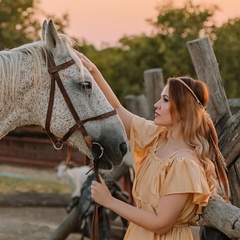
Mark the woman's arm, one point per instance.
(160, 222)
(123, 113)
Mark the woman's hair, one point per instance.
(188, 100)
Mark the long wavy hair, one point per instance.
(188, 103)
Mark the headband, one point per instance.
(191, 91)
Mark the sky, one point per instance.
(106, 21)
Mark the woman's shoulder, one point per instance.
(144, 132)
(187, 155)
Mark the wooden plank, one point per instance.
(138, 105)
(207, 70)
(218, 213)
(223, 216)
(153, 86)
(233, 176)
(229, 139)
(35, 152)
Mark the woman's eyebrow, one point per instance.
(164, 95)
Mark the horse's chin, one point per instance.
(105, 164)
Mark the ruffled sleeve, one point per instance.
(143, 135)
(186, 176)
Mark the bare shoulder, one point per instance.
(188, 154)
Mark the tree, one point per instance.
(19, 23)
(123, 65)
(227, 49)
(176, 26)
(173, 27)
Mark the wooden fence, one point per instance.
(225, 113)
(31, 147)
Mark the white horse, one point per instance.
(25, 85)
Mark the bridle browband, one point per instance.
(58, 143)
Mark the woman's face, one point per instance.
(162, 112)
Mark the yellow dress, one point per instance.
(155, 177)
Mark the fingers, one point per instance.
(81, 55)
(95, 191)
(86, 62)
(102, 181)
(100, 193)
(95, 183)
(95, 186)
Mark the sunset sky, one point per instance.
(106, 21)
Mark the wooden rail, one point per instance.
(30, 147)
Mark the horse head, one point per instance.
(88, 101)
(32, 84)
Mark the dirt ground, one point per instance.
(34, 222)
(29, 222)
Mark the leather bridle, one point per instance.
(58, 143)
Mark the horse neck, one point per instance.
(20, 70)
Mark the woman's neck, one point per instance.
(175, 136)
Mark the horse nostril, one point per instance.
(123, 148)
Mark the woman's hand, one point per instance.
(86, 62)
(100, 193)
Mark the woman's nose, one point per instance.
(157, 104)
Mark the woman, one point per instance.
(173, 160)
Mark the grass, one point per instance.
(10, 185)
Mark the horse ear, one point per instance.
(44, 27)
(51, 35)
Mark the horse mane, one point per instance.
(10, 67)
(11, 62)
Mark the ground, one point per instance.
(37, 217)
(31, 223)
(22, 218)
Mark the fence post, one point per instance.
(153, 86)
(137, 105)
(227, 125)
(207, 70)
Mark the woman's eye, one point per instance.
(165, 99)
(86, 85)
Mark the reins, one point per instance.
(58, 142)
(94, 230)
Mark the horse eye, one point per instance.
(86, 85)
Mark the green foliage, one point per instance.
(227, 50)
(19, 23)
(123, 65)
(174, 27)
